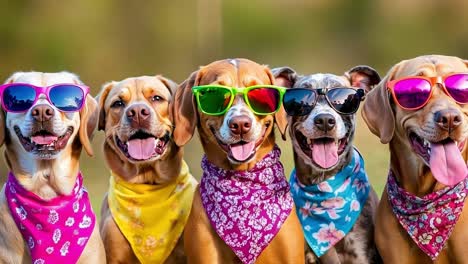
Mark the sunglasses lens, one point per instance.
(299, 102)
(457, 87)
(264, 100)
(18, 98)
(412, 93)
(214, 100)
(345, 100)
(67, 98)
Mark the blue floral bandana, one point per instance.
(328, 210)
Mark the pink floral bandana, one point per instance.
(430, 219)
(57, 230)
(247, 208)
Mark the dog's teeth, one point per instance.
(309, 141)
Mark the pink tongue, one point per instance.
(325, 154)
(447, 164)
(141, 149)
(242, 151)
(43, 140)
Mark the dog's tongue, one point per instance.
(447, 164)
(141, 149)
(43, 139)
(242, 151)
(325, 153)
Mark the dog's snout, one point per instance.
(138, 113)
(325, 122)
(240, 124)
(42, 112)
(448, 119)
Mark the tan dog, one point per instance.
(47, 172)
(218, 135)
(134, 113)
(414, 137)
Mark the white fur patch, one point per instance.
(309, 126)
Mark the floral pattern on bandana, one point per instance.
(429, 220)
(247, 208)
(328, 210)
(57, 230)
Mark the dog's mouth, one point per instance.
(43, 141)
(241, 151)
(143, 146)
(324, 152)
(444, 158)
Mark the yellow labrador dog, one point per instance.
(151, 190)
(45, 213)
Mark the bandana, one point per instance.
(152, 217)
(56, 230)
(328, 210)
(430, 219)
(247, 208)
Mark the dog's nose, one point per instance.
(138, 113)
(448, 119)
(240, 124)
(324, 122)
(42, 112)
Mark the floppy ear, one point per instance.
(377, 111)
(170, 84)
(280, 115)
(363, 76)
(101, 99)
(88, 122)
(466, 63)
(284, 76)
(184, 110)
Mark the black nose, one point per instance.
(324, 122)
(448, 119)
(42, 112)
(240, 124)
(138, 113)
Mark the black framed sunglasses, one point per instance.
(301, 101)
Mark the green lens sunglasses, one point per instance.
(217, 99)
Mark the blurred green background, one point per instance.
(114, 39)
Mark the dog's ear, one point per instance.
(377, 111)
(466, 63)
(101, 99)
(170, 84)
(88, 121)
(284, 76)
(363, 76)
(184, 109)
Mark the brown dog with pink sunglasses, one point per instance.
(420, 109)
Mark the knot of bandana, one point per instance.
(56, 230)
(429, 220)
(328, 210)
(247, 208)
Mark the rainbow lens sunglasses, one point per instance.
(20, 97)
(217, 99)
(414, 92)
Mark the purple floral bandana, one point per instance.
(247, 208)
(430, 219)
(57, 230)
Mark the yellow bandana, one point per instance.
(152, 217)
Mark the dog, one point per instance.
(420, 213)
(240, 151)
(46, 215)
(325, 158)
(151, 189)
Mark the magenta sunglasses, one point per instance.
(20, 97)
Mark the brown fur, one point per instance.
(202, 244)
(392, 124)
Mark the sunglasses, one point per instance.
(20, 97)
(217, 99)
(412, 93)
(301, 101)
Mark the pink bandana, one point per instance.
(247, 208)
(429, 220)
(56, 231)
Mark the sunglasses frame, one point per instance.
(238, 90)
(432, 81)
(324, 92)
(43, 90)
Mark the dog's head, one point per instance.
(431, 137)
(322, 139)
(43, 132)
(239, 136)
